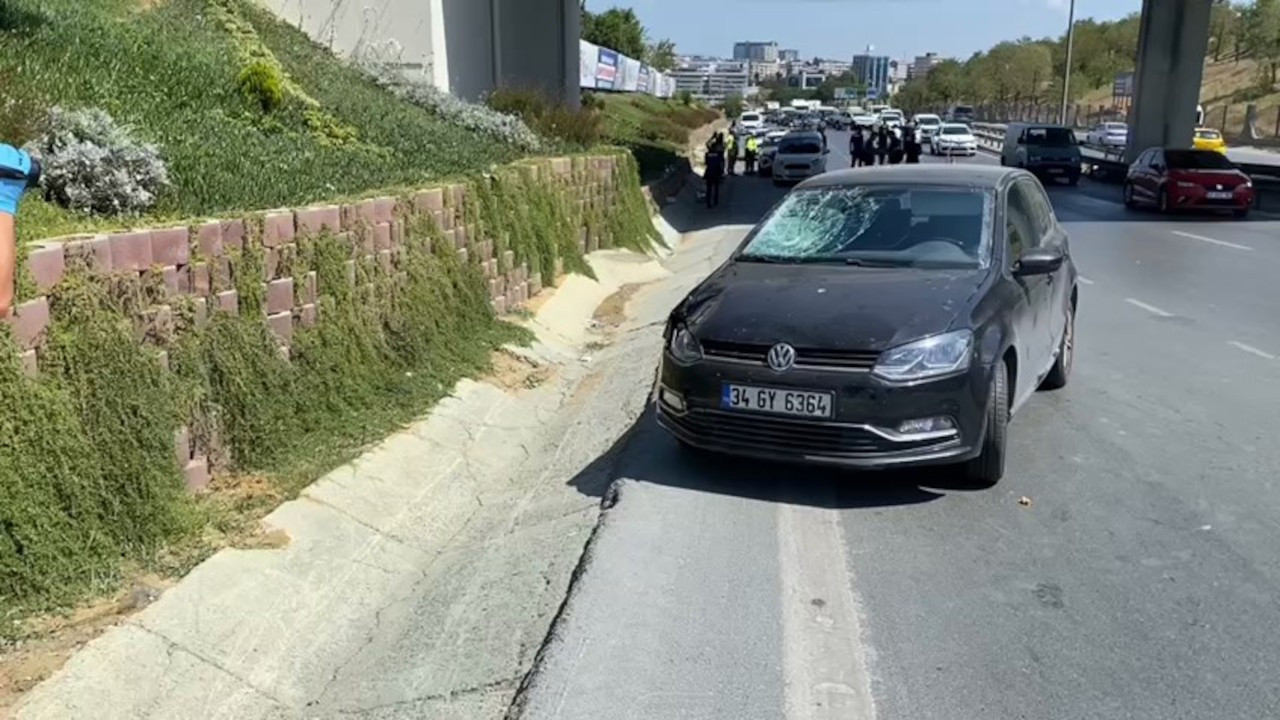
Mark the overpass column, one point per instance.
(1172, 41)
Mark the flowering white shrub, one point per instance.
(479, 118)
(91, 164)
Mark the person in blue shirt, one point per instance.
(18, 171)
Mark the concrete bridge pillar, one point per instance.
(1172, 43)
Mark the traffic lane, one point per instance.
(1138, 581)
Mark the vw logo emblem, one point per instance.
(781, 357)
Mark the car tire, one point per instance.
(1162, 200)
(1073, 180)
(1240, 213)
(1060, 373)
(987, 468)
(1130, 201)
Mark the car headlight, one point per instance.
(1248, 183)
(684, 347)
(933, 356)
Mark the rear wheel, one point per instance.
(1061, 370)
(987, 469)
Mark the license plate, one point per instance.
(799, 403)
(1214, 195)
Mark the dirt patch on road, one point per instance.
(514, 373)
(613, 311)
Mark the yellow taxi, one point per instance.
(1209, 139)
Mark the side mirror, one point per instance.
(1041, 261)
(826, 151)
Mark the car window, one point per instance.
(1197, 160)
(1037, 202)
(1019, 225)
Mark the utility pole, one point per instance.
(1066, 69)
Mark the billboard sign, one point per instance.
(607, 70)
(588, 57)
(630, 74)
(846, 93)
(1123, 85)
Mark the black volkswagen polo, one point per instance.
(878, 317)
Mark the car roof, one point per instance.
(805, 134)
(967, 176)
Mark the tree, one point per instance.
(1224, 24)
(1262, 38)
(732, 105)
(661, 55)
(617, 29)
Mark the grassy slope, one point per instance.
(166, 68)
(655, 130)
(1226, 83)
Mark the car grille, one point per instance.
(860, 360)
(793, 166)
(787, 436)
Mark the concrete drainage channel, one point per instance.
(423, 579)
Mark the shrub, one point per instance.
(581, 128)
(22, 112)
(478, 118)
(93, 165)
(665, 130)
(685, 97)
(260, 83)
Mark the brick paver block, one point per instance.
(232, 234)
(30, 363)
(171, 246)
(131, 251)
(277, 228)
(201, 279)
(309, 293)
(384, 209)
(429, 201)
(209, 239)
(228, 301)
(307, 315)
(94, 251)
(386, 261)
(493, 288)
(280, 295)
(535, 286)
(561, 166)
(46, 264)
(281, 324)
(196, 473)
(172, 281)
(200, 311)
(508, 259)
(461, 233)
(220, 274)
(182, 446)
(29, 322)
(312, 220)
(270, 264)
(381, 237)
(397, 233)
(457, 195)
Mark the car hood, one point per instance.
(796, 157)
(827, 306)
(958, 138)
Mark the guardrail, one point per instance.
(1108, 165)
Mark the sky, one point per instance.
(838, 29)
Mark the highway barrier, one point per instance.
(1107, 164)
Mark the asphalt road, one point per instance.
(1126, 567)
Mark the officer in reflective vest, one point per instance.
(753, 149)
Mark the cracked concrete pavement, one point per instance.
(421, 579)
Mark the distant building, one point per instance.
(712, 80)
(759, 51)
(789, 55)
(899, 71)
(872, 71)
(921, 66)
(832, 67)
(766, 70)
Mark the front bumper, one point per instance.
(783, 172)
(1198, 199)
(958, 149)
(860, 433)
(1054, 168)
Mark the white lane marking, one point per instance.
(1252, 350)
(1085, 280)
(1149, 308)
(1201, 238)
(824, 660)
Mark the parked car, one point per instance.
(927, 125)
(768, 150)
(953, 139)
(751, 121)
(960, 114)
(800, 155)
(1108, 135)
(878, 317)
(1175, 179)
(1209, 139)
(1047, 150)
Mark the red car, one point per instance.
(1175, 179)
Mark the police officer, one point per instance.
(18, 171)
(857, 146)
(731, 152)
(714, 174)
(911, 140)
(749, 158)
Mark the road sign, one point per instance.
(846, 93)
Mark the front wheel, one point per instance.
(1129, 200)
(1162, 201)
(988, 468)
(1241, 213)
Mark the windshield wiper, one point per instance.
(862, 262)
(763, 258)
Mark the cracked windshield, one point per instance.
(639, 359)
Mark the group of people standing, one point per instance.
(883, 146)
(722, 159)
